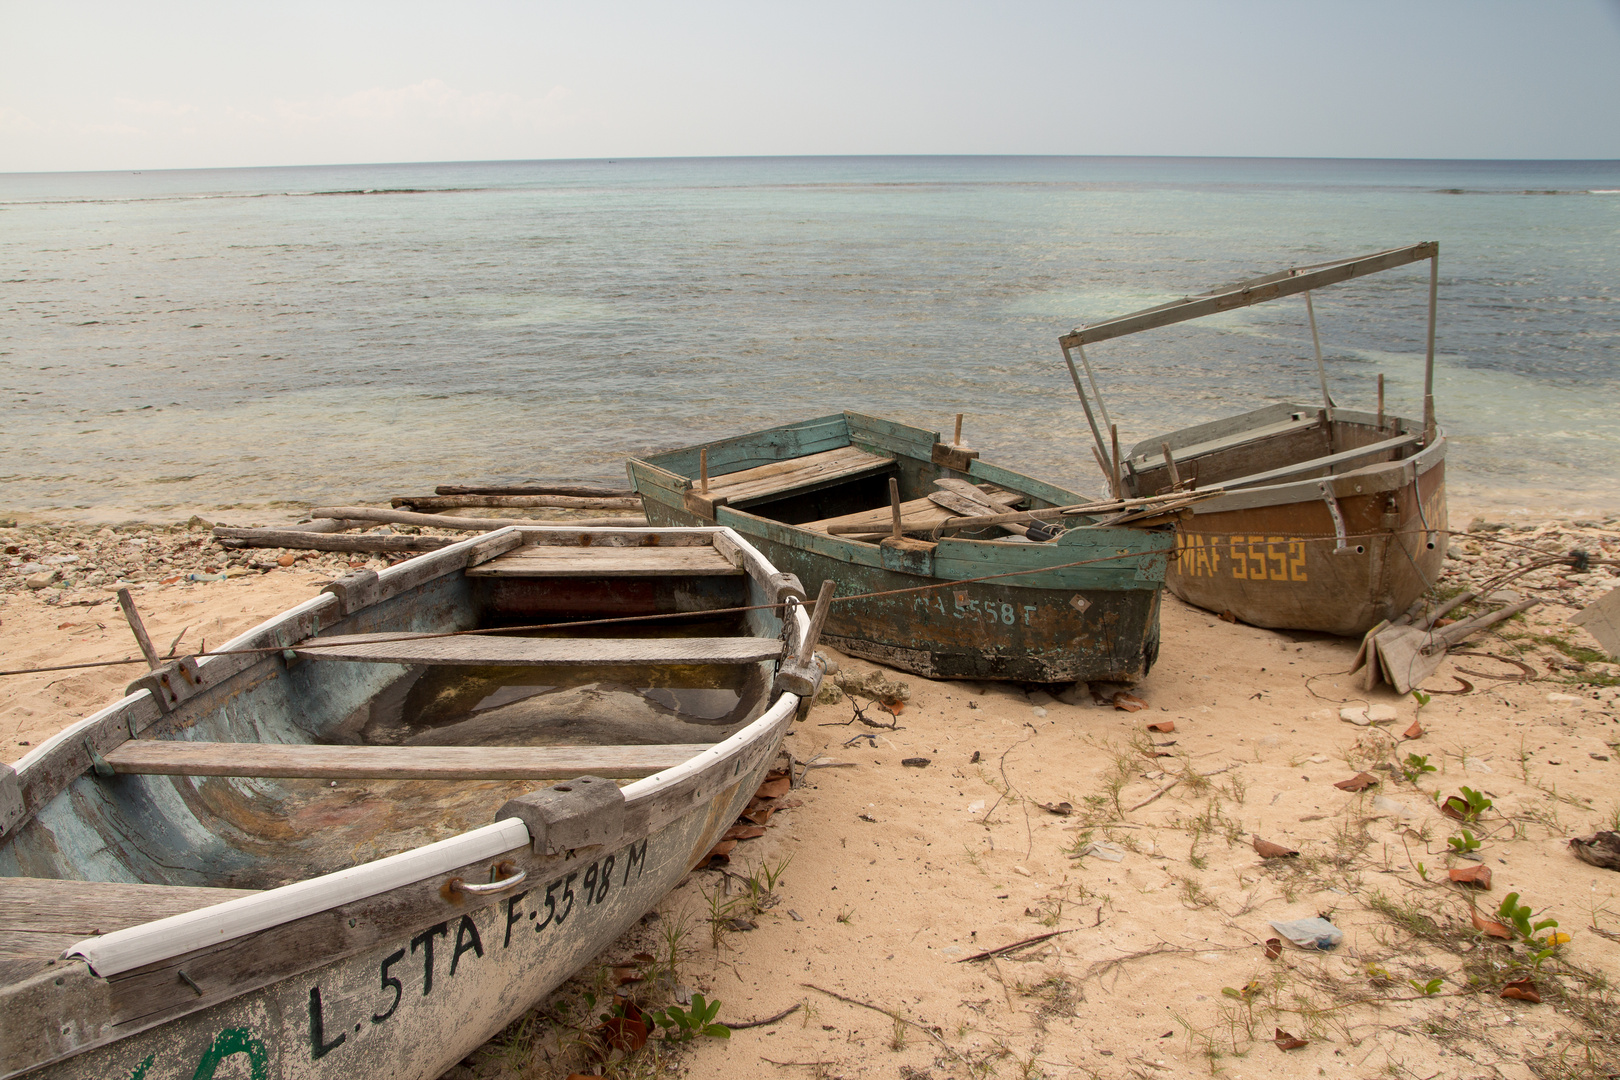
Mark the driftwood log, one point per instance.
(311, 541)
(515, 502)
(589, 491)
(438, 521)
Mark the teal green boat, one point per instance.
(1062, 599)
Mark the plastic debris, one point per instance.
(1103, 850)
(1311, 933)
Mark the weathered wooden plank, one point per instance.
(916, 513)
(309, 541)
(172, 757)
(485, 650)
(1254, 291)
(586, 490)
(460, 524)
(810, 471)
(1028, 485)
(515, 502)
(1343, 457)
(84, 908)
(759, 447)
(626, 538)
(891, 436)
(556, 561)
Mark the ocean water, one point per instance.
(259, 339)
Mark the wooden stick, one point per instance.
(1458, 632)
(438, 521)
(127, 602)
(586, 490)
(308, 541)
(1441, 611)
(1108, 476)
(1036, 940)
(894, 507)
(818, 619)
(1170, 463)
(1119, 482)
(1380, 401)
(789, 1011)
(956, 440)
(517, 502)
(703, 468)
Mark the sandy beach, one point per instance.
(982, 816)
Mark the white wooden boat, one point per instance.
(327, 851)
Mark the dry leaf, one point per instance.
(1413, 732)
(1522, 990)
(1267, 850)
(1156, 753)
(1285, 1041)
(1061, 809)
(622, 975)
(774, 788)
(1273, 948)
(583, 1076)
(1163, 727)
(1127, 702)
(1358, 782)
(722, 850)
(642, 957)
(895, 707)
(759, 815)
(1471, 875)
(744, 832)
(627, 1032)
(1455, 806)
(1490, 927)
(1227, 616)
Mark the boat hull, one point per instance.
(410, 1009)
(1281, 565)
(1077, 623)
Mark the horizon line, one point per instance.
(613, 160)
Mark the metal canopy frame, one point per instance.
(1299, 279)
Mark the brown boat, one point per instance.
(1331, 519)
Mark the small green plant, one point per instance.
(1427, 989)
(1416, 765)
(1423, 871)
(684, 1025)
(845, 915)
(1464, 844)
(1517, 916)
(1468, 806)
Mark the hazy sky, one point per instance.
(163, 84)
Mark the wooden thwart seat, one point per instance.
(546, 561)
(805, 473)
(482, 650)
(169, 757)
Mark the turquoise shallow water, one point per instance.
(253, 337)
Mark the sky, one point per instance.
(166, 84)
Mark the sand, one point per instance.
(899, 873)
